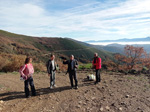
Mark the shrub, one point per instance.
(39, 67)
(109, 65)
(11, 63)
(3, 63)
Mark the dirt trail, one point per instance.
(115, 93)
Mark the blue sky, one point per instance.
(78, 19)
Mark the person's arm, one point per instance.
(48, 67)
(99, 62)
(76, 64)
(65, 62)
(55, 65)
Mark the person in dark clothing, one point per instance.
(51, 68)
(97, 66)
(72, 66)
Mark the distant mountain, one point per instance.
(122, 40)
(41, 47)
(118, 48)
(112, 48)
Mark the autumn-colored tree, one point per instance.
(121, 62)
(134, 55)
(146, 60)
(133, 58)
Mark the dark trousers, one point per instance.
(98, 78)
(52, 79)
(73, 75)
(26, 83)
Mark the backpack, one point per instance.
(91, 77)
(22, 77)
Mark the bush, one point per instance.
(39, 67)
(109, 65)
(10, 63)
(145, 70)
(3, 63)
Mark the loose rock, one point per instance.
(120, 109)
(101, 109)
(107, 107)
(1, 101)
(127, 96)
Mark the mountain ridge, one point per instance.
(121, 40)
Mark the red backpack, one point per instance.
(22, 77)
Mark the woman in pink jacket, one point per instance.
(97, 66)
(27, 71)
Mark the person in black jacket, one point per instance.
(72, 66)
(51, 68)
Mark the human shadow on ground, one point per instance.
(47, 90)
(12, 95)
(41, 91)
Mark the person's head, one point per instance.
(28, 60)
(71, 57)
(52, 57)
(95, 55)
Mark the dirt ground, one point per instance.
(115, 93)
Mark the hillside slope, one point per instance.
(41, 46)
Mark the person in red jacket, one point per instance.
(97, 66)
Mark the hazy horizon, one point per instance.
(121, 43)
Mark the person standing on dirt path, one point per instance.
(72, 67)
(97, 66)
(27, 71)
(51, 69)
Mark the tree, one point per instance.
(146, 60)
(134, 57)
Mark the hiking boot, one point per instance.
(28, 96)
(55, 86)
(96, 83)
(33, 94)
(76, 87)
(51, 87)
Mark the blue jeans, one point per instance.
(52, 78)
(26, 88)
